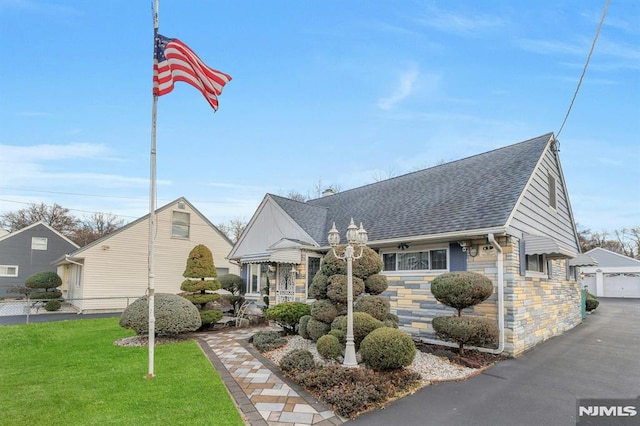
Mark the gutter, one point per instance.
(500, 265)
(68, 259)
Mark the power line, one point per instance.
(584, 70)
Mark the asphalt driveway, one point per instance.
(598, 359)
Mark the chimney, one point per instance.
(328, 192)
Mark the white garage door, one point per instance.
(590, 281)
(621, 285)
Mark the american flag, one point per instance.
(175, 61)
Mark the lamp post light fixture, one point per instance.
(359, 237)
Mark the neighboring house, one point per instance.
(614, 275)
(504, 213)
(112, 272)
(29, 250)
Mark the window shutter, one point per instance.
(568, 269)
(458, 258)
(244, 273)
(523, 258)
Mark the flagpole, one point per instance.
(152, 217)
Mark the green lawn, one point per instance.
(71, 373)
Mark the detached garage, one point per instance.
(615, 275)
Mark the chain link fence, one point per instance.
(29, 307)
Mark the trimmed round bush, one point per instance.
(363, 324)
(370, 263)
(317, 329)
(337, 288)
(318, 287)
(266, 341)
(324, 310)
(466, 331)
(302, 326)
(392, 321)
(210, 316)
(339, 334)
(387, 349)
(194, 286)
(297, 360)
(231, 282)
(592, 303)
(375, 284)
(376, 306)
(336, 324)
(201, 299)
(200, 264)
(45, 295)
(461, 289)
(52, 305)
(174, 315)
(44, 279)
(329, 347)
(287, 315)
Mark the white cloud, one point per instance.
(460, 24)
(404, 88)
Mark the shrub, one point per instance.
(45, 295)
(287, 315)
(336, 324)
(200, 299)
(370, 263)
(317, 329)
(337, 288)
(45, 279)
(210, 316)
(200, 286)
(375, 284)
(391, 320)
(465, 331)
(376, 306)
(592, 302)
(268, 340)
(297, 360)
(324, 310)
(339, 334)
(318, 287)
(174, 315)
(52, 305)
(363, 324)
(200, 264)
(387, 349)
(231, 282)
(461, 289)
(329, 347)
(302, 326)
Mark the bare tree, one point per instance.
(95, 226)
(233, 229)
(320, 188)
(297, 196)
(380, 175)
(53, 215)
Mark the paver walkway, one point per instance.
(261, 392)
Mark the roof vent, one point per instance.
(181, 205)
(327, 192)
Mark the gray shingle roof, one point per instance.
(473, 193)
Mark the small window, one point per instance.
(535, 263)
(553, 203)
(8, 270)
(180, 224)
(426, 260)
(313, 266)
(38, 243)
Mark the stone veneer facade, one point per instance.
(536, 306)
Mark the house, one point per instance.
(504, 213)
(29, 250)
(614, 275)
(112, 272)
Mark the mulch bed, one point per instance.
(472, 358)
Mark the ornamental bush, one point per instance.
(392, 321)
(376, 306)
(302, 326)
(52, 305)
(231, 282)
(287, 315)
(324, 310)
(329, 347)
(210, 316)
(375, 284)
(45, 295)
(465, 331)
(200, 264)
(370, 263)
(316, 329)
(339, 334)
(44, 279)
(318, 287)
(266, 341)
(387, 349)
(337, 288)
(363, 324)
(297, 360)
(592, 302)
(174, 315)
(461, 289)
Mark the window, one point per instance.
(38, 243)
(535, 263)
(180, 225)
(313, 266)
(8, 270)
(222, 271)
(425, 260)
(553, 203)
(257, 277)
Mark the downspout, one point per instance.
(500, 266)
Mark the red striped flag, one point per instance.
(175, 61)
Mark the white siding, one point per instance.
(118, 266)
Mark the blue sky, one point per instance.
(323, 93)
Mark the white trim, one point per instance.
(416, 249)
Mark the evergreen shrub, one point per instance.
(329, 347)
(266, 341)
(337, 288)
(52, 305)
(375, 284)
(387, 349)
(376, 306)
(287, 315)
(302, 326)
(466, 331)
(461, 289)
(44, 279)
(174, 315)
(363, 324)
(297, 360)
(317, 329)
(323, 310)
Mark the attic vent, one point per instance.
(553, 202)
(181, 205)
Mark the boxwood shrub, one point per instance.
(287, 315)
(302, 326)
(337, 288)
(329, 347)
(375, 284)
(466, 331)
(387, 349)
(324, 310)
(45, 295)
(266, 341)
(316, 329)
(318, 287)
(376, 306)
(592, 302)
(370, 263)
(210, 316)
(297, 360)
(461, 289)
(44, 279)
(363, 324)
(174, 315)
(52, 305)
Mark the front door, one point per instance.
(285, 286)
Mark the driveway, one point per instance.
(598, 359)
